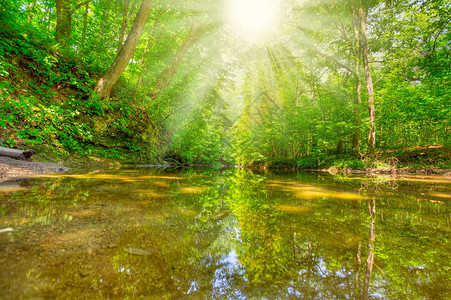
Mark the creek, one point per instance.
(214, 233)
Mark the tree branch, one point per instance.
(78, 6)
(378, 80)
(329, 58)
(429, 55)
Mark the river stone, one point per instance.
(85, 272)
(136, 251)
(6, 230)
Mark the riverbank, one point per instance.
(404, 163)
(386, 171)
(12, 168)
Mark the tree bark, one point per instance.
(369, 84)
(106, 83)
(124, 25)
(358, 83)
(357, 118)
(17, 154)
(168, 73)
(63, 21)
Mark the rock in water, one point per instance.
(6, 230)
(85, 272)
(136, 251)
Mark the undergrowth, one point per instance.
(48, 104)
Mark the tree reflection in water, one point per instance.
(232, 233)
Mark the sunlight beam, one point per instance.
(253, 19)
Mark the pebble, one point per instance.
(85, 272)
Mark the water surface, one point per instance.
(224, 234)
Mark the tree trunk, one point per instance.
(168, 73)
(358, 84)
(106, 83)
(17, 154)
(63, 21)
(124, 26)
(369, 84)
(357, 118)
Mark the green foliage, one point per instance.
(47, 102)
(225, 100)
(352, 164)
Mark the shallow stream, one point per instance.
(224, 234)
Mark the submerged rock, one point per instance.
(136, 251)
(85, 272)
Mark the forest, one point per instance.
(292, 83)
(225, 149)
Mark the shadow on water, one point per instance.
(213, 233)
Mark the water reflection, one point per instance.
(224, 234)
(11, 186)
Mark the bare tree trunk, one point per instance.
(17, 154)
(124, 25)
(168, 73)
(371, 240)
(369, 84)
(106, 83)
(358, 84)
(357, 118)
(63, 21)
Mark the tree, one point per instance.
(124, 24)
(358, 83)
(369, 82)
(107, 81)
(63, 21)
(85, 23)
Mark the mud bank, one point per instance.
(12, 168)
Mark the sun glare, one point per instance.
(253, 19)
